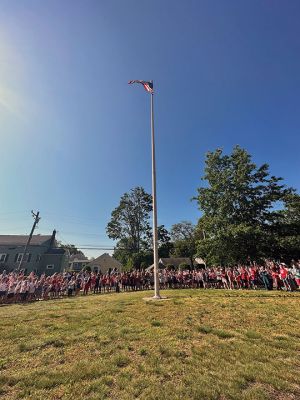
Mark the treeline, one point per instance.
(130, 225)
(245, 214)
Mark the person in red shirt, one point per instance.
(243, 277)
(284, 277)
(253, 277)
(276, 277)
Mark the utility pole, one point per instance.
(36, 220)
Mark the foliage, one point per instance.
(184, 266)
(71, 247)
(165, 245)
(240, 243)
(144, 265)
(240, 208)
(130, 220)
(130, 226)
(287, 229)
(170, 267)
(184, 237)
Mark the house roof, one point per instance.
(200, 260)
(78, 257)
(175, 261)
(106, 261)
(56, 250)
(21, 240)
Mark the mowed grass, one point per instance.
(195, 345)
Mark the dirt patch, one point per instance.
(275, 394)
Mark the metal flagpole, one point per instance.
(155, 233)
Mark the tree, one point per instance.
(238, 204)
(71, 247)
(287, 229)
(184, 236)
(130, 220)
(130, 226)
(165, 245)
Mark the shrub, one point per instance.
(143, 351)
(205, 329)
(121, 361)
(252, 335)
(156, 323)
(184, 266)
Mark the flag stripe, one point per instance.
(148, 86)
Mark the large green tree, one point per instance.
(287, 229)
(130, 226)
(184, 235)
(129, 222)
(240, 204)
(165, 244)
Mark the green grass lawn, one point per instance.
(195, 345)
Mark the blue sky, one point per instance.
(75, 136)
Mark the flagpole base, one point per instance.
(156, 298)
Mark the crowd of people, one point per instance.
(16, 286)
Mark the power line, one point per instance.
(97, 248)
(82, 234)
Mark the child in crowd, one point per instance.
(16, 287)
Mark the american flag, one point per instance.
(147, 85)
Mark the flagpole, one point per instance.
(155, 232)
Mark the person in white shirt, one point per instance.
(31, 290)
(24, 290)
(11, 291)
(3, 289)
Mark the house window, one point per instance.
(2, 257)
(50, 266)
(19, 257)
